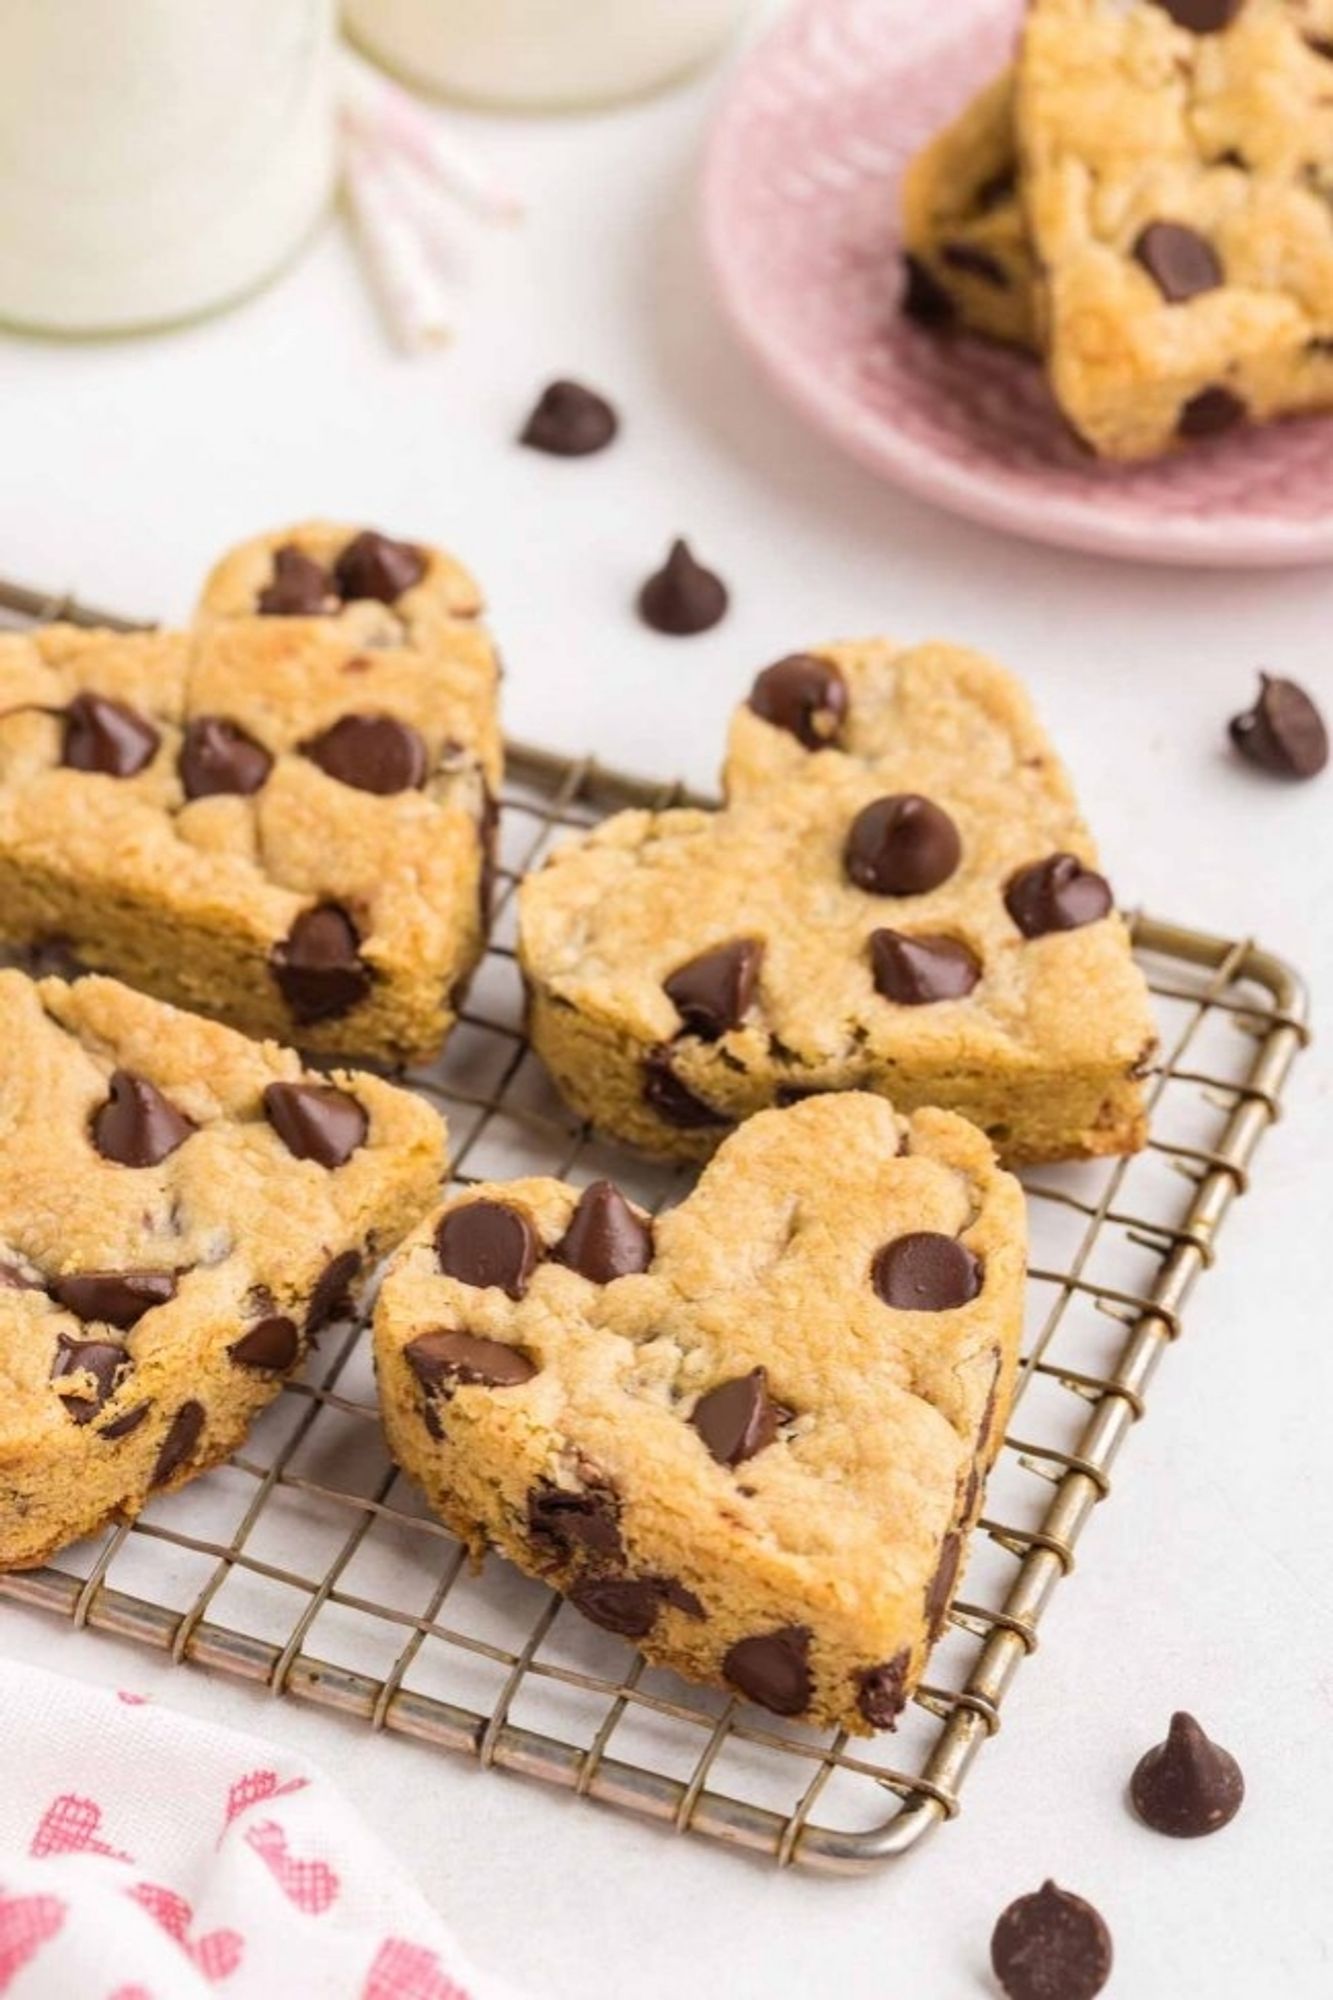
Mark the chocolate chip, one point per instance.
(917, 971)
(1058, 894)
(569, 421)
(488, 1243)
(179, 1443)
(674, 1592)
(682, 597)
(332, 1296)
(318, 967)
(1180, 262)
(1210, 412)
(1202, 17)
(880, 1691)
(773, 1669)
(107, 737)
(673, 1100)
(924, 298)
(271, 1343)
(138, 1126)
(605, 1238)
(939, 1592)
(976, 262)
(926, 1272)
(626, 1606)
(1188, 1785)
(1051, 1946)
(713, 993)
(1321, 44)
(104, 1360)
(993, 193)
(488, 828)
(372, 753)
(902, 845)
(564, 1521)
(316, 1121)
(120, 1427)
(739, 1419)
(118, 1298)
(301, 587)
(1284, 731)
(804, 695)
(218, 757)
(375, 566)
(468, 1360)
(12, 1279)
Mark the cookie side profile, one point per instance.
(1177, 166)
(749, 1435)
(180, 1210)
(913, 908)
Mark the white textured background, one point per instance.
(1205, 1582)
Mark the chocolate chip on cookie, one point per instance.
(467, 1360)
(739, 1419)
(714, 992)
(924, 298)
(486, 1243)
(1284, 731)
(1180, 262)
(880, 1693)
(300, 587)
(673, 1100)
(1051, 1946)
(104, 1360)
(218, 757)
(1211, 412)
(773, 1669)
(1188, 1785)
(331, 1298)
(939, 1593)
(121, 1427)
(1059, 894)
(918, 971)
(108, 737)
(683, 597)
(902, 845)
(318, 967)
(116, 1298)
(372, 753)
(316, 1121)
(137, 1126)
(563, 1520)
(628, 1606)
(375, 566)
(569, 421)
(804, 695)
(927, 1272)
(1202, 17)
(271, 1343)
(179, 1443)
(605, 1239)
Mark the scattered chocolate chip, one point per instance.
(332, 1296)
(917, 971)
(605, 1238)
(902, 845)
(1058, 894)
(107, 737)
(713, 993)
(375, 566)
(1180, 262)
(626, 1606)
(271, 1343)
(773, 1669)
(1211, 412)
(1051, 1946)
(880, 1692)
(1188, 1785)
(804, 695)
(1202, 17)
(121, 1426)
(318, 967)
(138, 1126)
(939, 1593)
(569, 421)
(301, 587)
(588, 1520)
(926, 1272)
(673, 1100)
(924, 298)
(316, 1121)
(488, 1243)
(117, 1298)
(372, 753)
(1284, 731)
(739, 1419)
(683, 597)
(179, 1443)
(219, 757)
(976, 263)
(467, 1360)
(104, 1360)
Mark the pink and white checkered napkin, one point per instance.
(146, 1856)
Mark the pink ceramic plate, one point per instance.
(801, 219)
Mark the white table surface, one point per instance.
(128, 466)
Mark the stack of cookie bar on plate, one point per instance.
(1146, 200)
(750, 1434)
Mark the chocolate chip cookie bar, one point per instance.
(750, 1435)
(900, 896)
(969, 261)
(282, 817)
(180, 1211)
(1177, 172)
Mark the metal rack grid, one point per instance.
(309, 1566)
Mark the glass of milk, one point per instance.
(541, 54)
(158, 158)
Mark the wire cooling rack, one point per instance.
(308, 1565)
